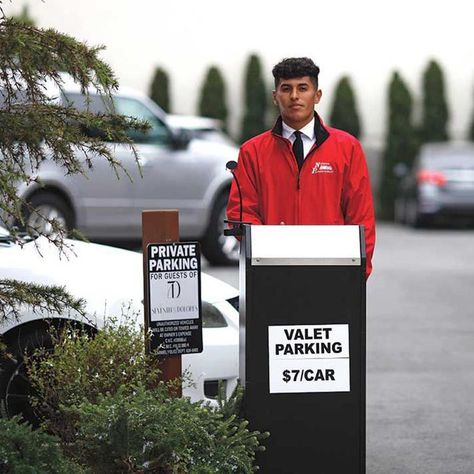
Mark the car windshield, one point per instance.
(133, 108)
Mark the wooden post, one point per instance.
(159, 227)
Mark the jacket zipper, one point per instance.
(311, 151)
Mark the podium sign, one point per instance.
(304, 359)
(174, 306)
(302, 353)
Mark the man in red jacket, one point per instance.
(302, 171)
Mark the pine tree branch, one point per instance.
(35, 127)
(40, 298)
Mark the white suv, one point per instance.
(179, 172)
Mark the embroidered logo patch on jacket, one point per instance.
(322, 168)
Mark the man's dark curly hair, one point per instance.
(290, 68)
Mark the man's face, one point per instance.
(296, 99)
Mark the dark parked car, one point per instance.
(440, 185)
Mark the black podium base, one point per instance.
(317, 432)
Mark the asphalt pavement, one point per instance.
(420, 351)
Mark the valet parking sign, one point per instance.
(174, 279)
(308, 358)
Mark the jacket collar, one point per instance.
(320, 132)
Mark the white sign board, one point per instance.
(174, 282)
(309, 358)
(174, 289)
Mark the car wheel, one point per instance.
(216, 247)
(15, 388)
(48, 206)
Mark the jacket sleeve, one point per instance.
(357, 201)
(251, 203)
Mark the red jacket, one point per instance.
(332, 187)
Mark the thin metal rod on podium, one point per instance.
(160, 227)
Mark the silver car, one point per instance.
(179, 172)
(440, 185)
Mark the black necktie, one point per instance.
(298, 149)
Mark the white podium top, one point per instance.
(305, 245)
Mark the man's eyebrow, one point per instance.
(282, 84)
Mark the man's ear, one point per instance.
(274, 98)
(318, 96)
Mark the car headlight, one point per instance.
(212, 317)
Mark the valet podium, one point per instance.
(302, 346)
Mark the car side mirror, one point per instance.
(180, 139)
(400, 170)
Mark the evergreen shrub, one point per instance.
(148, 430)
(212, 101)
(435, 108)
(26, 451)
(253, 122)
(102, 396)
(401, 143)
(160, 89)
(344, 114)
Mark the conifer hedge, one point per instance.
(160, 89)
(344, 113)
(255, 98)
(401, 142)
(212, 101)
(435, 112)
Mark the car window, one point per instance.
(93, 103)
(133, 108)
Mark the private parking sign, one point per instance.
(174, 282)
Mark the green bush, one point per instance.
(159, 89)
(435, 114)
(401, 143)
(148, 430)
(85, 366)
(212, 101)
(24, 451)
(253, 121)
(103, 398)
(344, 113)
